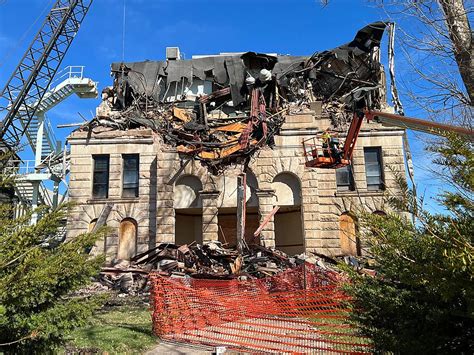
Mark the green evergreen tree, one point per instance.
(422, 298)
(37, 277)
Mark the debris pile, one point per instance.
(207, 261)
(125, 278)
(220, 109)
(213, 261)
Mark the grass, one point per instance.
(121, 329)
(331, 324)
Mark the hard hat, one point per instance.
(265, 75)
(250, 80)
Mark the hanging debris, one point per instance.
(221, 109)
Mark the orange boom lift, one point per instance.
(325, 153)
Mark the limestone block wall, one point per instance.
(141, 209)
(277, 177)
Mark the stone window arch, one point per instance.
(186, 192)
(287, 188)
(348, 234)
(127, 245)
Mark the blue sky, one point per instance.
(298, 27)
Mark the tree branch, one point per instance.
(462, 40)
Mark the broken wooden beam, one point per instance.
(241, 200)
(265, 221)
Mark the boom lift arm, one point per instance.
(328, 158)
(33, 75)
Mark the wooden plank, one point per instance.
(233, 127)
(265, 221)
(181, 114)
(104, 214)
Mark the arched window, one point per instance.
(350, 243)
(127, 239)
(287, 221)
(287, 189)
(227, 210)
(186, 192)
(188, 210)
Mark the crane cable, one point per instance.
(397, 104)
(12, 50)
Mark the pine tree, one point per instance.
(37, 277)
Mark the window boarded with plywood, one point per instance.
(127, 239)
(348, 235)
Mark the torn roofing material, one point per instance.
(220, 109)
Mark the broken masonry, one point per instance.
(221, 109)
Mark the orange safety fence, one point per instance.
(300, 310)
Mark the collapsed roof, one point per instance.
(220, 109)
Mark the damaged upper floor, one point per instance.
(222, 108)
(347, 72)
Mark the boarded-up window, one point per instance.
(100, 180)
(289, 230)
(92, 224)
(188, 210)
(227, 230)
(348, 235)
(127, 239)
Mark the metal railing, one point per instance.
(22, 167)
(70, 72)
(24, 188)
(49, 133)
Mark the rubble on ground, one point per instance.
(213, 261)
(221, 109)
(205, 261)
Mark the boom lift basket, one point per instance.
(319, 155)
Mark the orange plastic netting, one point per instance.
(300, 310)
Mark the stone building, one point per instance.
(145, 165)
(180, 204)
